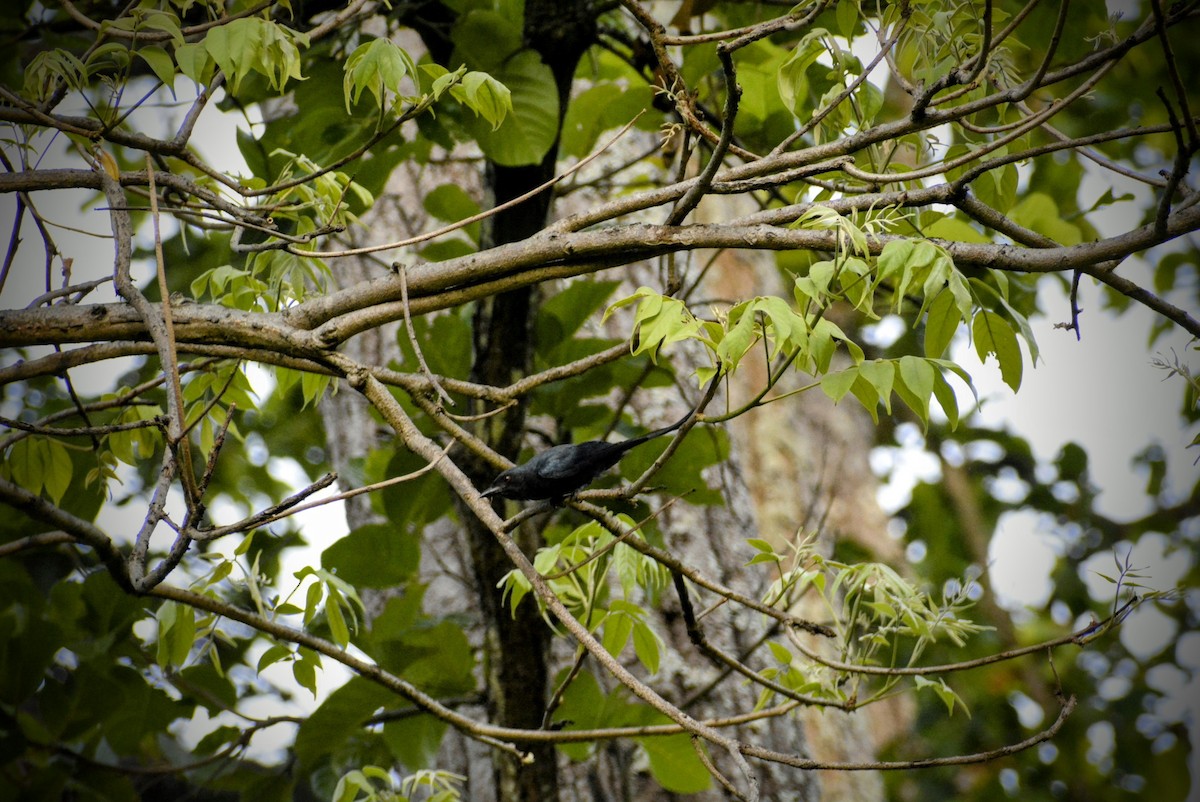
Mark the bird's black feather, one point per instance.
(561, 470)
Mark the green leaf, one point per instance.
(165, 618)
(351, 784)
(880, 374)
(155, 20)
(598, 109)
(565, 312)
(373, 556)
(377, 66)
(921, 260)
(739, 336)
(451, 203)
(194, 62)
(414, 740)
(525, 135)
(485, 39)
(658, 320)
(947, 398)
(434, 655)
(793, 74)
(943, 691)
(941, 324)
(337, 621)
(894, 258)
(339, 719)
(515, 586)
(38, 463)
(304, 670)
(787, 328)
(273, 655)
(647, 646)
(617, 629)
(870, 102)
(847, 18)
(182, 635)
(1039, 212)
(675, 765)
(160, 62)
(442, 78)
(994, 335)
(255, 45)
(836, 385)
(487, 97)
(917, 377)
(48, 67)
(952, 228)
(106, 58)
(59, 469)
(312, 387)
(312, 597)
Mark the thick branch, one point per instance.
(441, 285)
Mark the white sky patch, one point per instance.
(1100, 392)
(1020, 559)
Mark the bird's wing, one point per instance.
(558, 462)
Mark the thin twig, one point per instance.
(412, 337)
(1079, 638)
(475, 218)
(796, 761)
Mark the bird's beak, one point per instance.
(491, 491)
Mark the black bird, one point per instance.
(560, 470)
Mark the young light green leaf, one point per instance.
(160, 62)
(333, 614)
(182, 634)
(524, 85)
(253, 44)
(836, 385)
(165, 617)
(194, 62)
(881, 375)
(305, 673)
(378, 67)
(312, 598)
(941, 324)
(943, 691)
(792, 76)
(917, 377)
(59, 470)
(515, 586)
(487, 97)
(647, 646)
(787, 327)
(740, 334)
(658, 321)
(273, 655)
(617, 629)
(994, 335)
